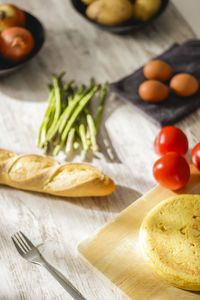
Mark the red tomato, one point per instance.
(172, 171)
(171, 139)
(196, 156)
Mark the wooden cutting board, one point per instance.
(115, 253)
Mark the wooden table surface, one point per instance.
(126, 140)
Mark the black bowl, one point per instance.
(37, 30)
(126, 27)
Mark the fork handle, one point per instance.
(66, 284)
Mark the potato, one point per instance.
(110, 12)
(87, 1)
(145, 9)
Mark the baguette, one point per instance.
(46, 175)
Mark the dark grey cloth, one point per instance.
(183, 58)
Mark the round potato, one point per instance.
(110, 12)
(145, 9)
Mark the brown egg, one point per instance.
(153, 91)
(158, 70)
(184, 84)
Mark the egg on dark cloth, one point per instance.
(183, 58)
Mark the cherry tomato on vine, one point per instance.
(172, 171)
(171, 139)
(196, 156)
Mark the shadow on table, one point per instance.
(121, 198)
(26, 84)
(106, 150)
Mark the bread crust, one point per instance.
(46, 175)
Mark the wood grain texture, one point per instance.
(115, 251)
(83, 51)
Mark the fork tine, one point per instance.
(21, 235)
(27, 241)
(21, 242)
(19, 249)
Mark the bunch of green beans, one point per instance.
(68, 121)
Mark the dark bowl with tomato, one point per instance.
(131, 25)
(37, 30)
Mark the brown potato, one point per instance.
(145, 9)
(109, 12)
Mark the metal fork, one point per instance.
(31, 253)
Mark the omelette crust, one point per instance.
(170, 240)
